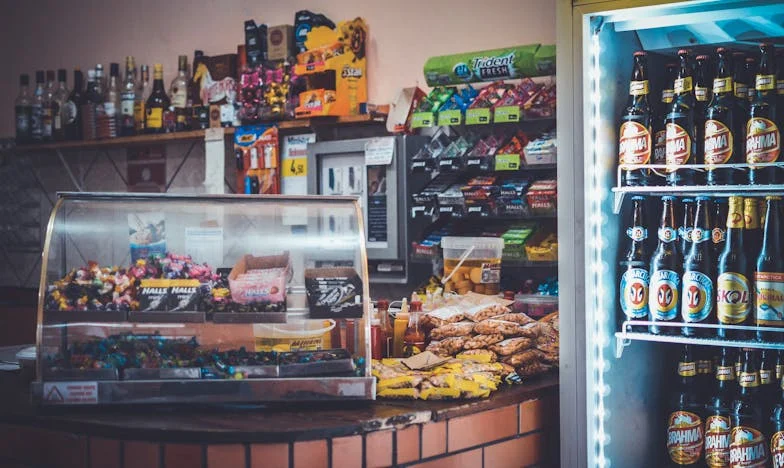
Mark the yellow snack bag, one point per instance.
(404, 381)
(400, 393)
(437, 393)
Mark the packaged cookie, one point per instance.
(511, 346)
(447, 346)
(550, 358)
(525, 357)
(452, 329)
(494, 327)
(549, 348)
(485, 311)
(442, 316)
(533, 368)
(482, 341)
(518, 318)
(478, 355)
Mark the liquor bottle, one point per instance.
(60, 98)
(740, 80)
(685, 436)
(157, 103)
(717, 420)
(719, 227)
(179, 94)
(665, 273)
(733, 288)
(698, 289)
(128, 99)
(659, 131)
(143, 90)
(48, 107)
(100, 110)
(703, 82)
(687, 225)
(747, 442)
(724, 141)
(776, 428)
(71, 112)
(634, 264)
(92, 100)
(779, 365)
(680, 127)
(414, 336)
(763, 138)
(769, 272)
(635, 143)
(753, 235)
(108, 121)
(194, 85)
(23, 108)
(37, 108)
(768, 385)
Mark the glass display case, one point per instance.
(176, 299)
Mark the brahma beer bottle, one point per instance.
(685, 437)
(634, 280)
(703, 86)
(717, 420)
(740, 80)
(666, 271)
(769, 272)
(724, 125)
(776, 429)
(680, 129)
(659, 131)
(747, 442)
(763, 139)
(733, 288)
(634, 145)
(698, 290)
(768, 385)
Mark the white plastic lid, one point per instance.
(465, 243)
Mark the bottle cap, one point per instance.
(158, 67)
(703, 198)
(24, 79)
(702, 57)
(683, 52)
(638, 198)
(687, 200)
(720, 50)
(668, 198)
(640, 53)
(382, 304)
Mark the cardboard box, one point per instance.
(280, 42)
(260, 288)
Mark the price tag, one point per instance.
(422, 120)
(449, 117)
(507, 114)
(507, 162)
(477, 116)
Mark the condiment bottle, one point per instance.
(414, 337)
(386, 326)
(401, 322)
(377, 340)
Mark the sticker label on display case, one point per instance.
(422, 119)
(507, 162)
(72, 393)
(507, 114)
(449, 117)
(479, 116)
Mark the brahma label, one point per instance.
(664, 295)
(687, 369)
(769, 289)
(747, 448)
(777, 449)
(697, 294)
(701, 93)
(660, 147)
(722, 85)
(725, 373)
(678, 145)
(684, 437)
(733, 298)
(765, 82)
(717, 440)
(748, 379)
(634, 293)
(718, 142)
(635, 144)
(762, 141)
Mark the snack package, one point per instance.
(257, 159)
(485, 311)
(518, 318)
(442, 316)
(511, 346)
(483, 356)
(493, 326)
(482, 341)
(452, 329)
(523, 358)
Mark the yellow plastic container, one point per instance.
(480, 270)
(297, 335)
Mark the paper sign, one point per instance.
(84, 393)
(294, 163)
(379, 151)
(205, 244)
(424, 360)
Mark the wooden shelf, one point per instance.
(192, 135)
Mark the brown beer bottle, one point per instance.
(724, 125)
(666, 270)
(719, 230)
(634, 276)
(659, 132)
(733, 288)
(681, 147)
(753, 235)
(687, 225)
(763, 138)
(703, 86)
(685, 437)
(635, 141)
(776, 428)
(769, 273)
(717, 420)
(698, 291)
(748, 445)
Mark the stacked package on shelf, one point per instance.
(542, 150)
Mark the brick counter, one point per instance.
(517, 426)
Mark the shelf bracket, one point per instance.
(618, 202)
(621, 342)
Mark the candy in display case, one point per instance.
(242, 299)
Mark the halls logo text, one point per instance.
(351, 72)
(487, 68)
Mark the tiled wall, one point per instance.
(519, 435)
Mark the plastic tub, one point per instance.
(480, 272)
(535, 306)
(296, 335)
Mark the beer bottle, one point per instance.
(704, 372)
(717, 420)
(724, 125)
(740, 80)
(779, 365)
(719, 230)
(747, 443)
(769, 273)
(780, 78)
(697, 284)
(776, 429)
(763, 140)
(680, 128)
(733, 291)
(753, 234)
(749, 73)
(738, 363)
(659, 132)
(635, 144)
(666, 271)
(634, 280)
(687, 225)
(768, 385)
(703, 85)
(685, 437)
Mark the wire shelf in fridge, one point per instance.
(625, 337)
(659, 172)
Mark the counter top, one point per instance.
(249, 423)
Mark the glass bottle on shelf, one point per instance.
(414, 337)
(157, 103)
(681, 148)
(635, 140)
(142, 93)
(747, 441)
(179, 93)
(60, 98)
(386, 326)
(740, 80)
(37, 108)
(48, 107)
(111, 104)
(666, 271)
(659, 131)
(724, 125)
(634, 277)
(719, 228)
(702, 98)
(763, 136)
(71, 112)
(687, 225)
(717, 420)
(769, 273)
(699, 292)
(128, 99)
(751, 222)
(92, 100)
(733, 288)
(23, 109)
(685, 435)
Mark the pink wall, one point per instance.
(40, 34)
